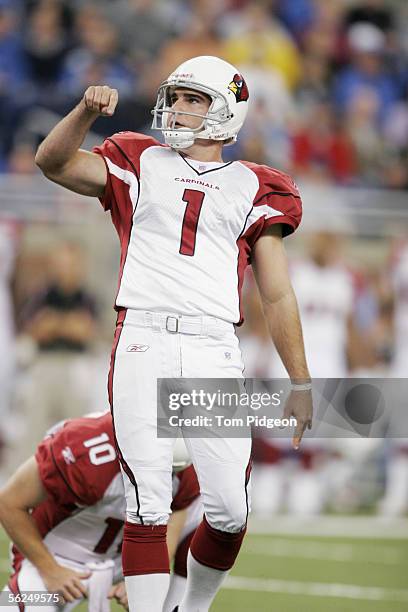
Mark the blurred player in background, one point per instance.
(64, 510)
(399, 289)
(189, 224)
(395, 501)
(9, 234)
(326, 293)
(61, 321)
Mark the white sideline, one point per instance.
(315, 589)
(373, 527)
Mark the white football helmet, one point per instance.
(222, 83)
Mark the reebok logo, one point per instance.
(137, 348)
(68, 455)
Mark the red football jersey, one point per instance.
(83, 516)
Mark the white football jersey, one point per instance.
(325, 297)
(187, 227)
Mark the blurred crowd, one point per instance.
(328, 78)
(329, 86)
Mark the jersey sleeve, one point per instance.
(51, 476)
(121, 154)
(78, 462)
(188, 489)
(276, 201)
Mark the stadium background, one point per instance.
(329, 85)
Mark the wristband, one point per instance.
(302, 387)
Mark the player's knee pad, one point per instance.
(144, 549)
(146, 519)
(216, 548)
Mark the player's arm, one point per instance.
(118, 592)
(21, 493)
(282, 315)
(279, 302)
(59, 156)
(360, 349)
(45, 325)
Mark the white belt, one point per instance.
(179, 324)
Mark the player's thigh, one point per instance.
(223, 470)
(213, 375)
(30, 581)
(138, 362)
(212, 357)
(221, 459)
(140, 358)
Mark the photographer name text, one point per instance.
(231, 422)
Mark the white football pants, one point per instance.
(149, 346)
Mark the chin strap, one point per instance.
(179, 140)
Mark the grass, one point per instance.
(292, 573)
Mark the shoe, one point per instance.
(175, 609)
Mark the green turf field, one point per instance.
(312, 573)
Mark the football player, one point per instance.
(395, 501)
(64, 510)
(188, 223)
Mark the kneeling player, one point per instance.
(64, 509)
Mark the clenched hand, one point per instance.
(101, 100)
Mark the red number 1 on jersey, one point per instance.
(194, 201)
(109, 535)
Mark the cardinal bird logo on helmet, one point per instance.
(239, 88)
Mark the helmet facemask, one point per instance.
(165, 118)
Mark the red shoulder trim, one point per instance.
(278, 191)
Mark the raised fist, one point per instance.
(101, 100)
